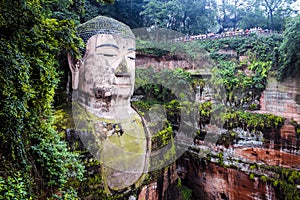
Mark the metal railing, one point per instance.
(232, 34)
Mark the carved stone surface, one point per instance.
(106, 75)
(103, 82)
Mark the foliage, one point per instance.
(289, 49)
(192, 52)
(152, 48)
(284, 181)
(193, 17)
(251, 121)
(190, 17)
(57, 162)
(228, 138)
(253, 18)
(63, 119)
(13, 187)
(171, 89)
(163, 137)
(186, 193)
(263, 178)
(203, 53)
(267, 14)
(220, 157)
(279, 7)
(258, 48)
(205, 110)
(164, 85)
(230, 13)
(69, 194)
(33, 35)
(127, 12)
(241, 87)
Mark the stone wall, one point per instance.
(172, 62)
(282, 98)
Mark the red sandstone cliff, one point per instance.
(164, 186)
(214, 182)
(167, 62)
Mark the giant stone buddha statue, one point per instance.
(103, 82)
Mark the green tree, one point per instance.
(290, 49)
(154, 14)
(254, 13)
(200, 16)
(127, 12)
(190, 17)
(252, 16)
(241, 88)
(230, 13)
(33, 35)
(276, 7)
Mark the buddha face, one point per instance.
(107, 73)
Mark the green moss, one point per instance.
(185, 192)
(63, 119)
(252, 121)
(253, 167)
(263, 178)
(163, 137)
(284, 181)
(220, 159)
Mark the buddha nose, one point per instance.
(122, 69)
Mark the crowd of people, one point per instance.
(229, 33)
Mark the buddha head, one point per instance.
(104, 77)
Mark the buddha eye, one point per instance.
(131, 58)
(109, 55)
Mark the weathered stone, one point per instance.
(164, 187)
(288, 135)
(212, 182)
(268, 156)
(103, 81)
(280, 98)
(147, 61)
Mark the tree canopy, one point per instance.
(290, 48)
(195, 16)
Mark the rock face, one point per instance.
(167, 62)
(288, 136)
(161, 63)
(163, 187)
(248, 170)
(282, 99)
(269, 157)
(212, 182)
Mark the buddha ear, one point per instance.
(74, 70)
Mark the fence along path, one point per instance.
(229, 34)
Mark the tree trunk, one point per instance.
(271, 18)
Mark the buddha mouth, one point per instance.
(122, 74)
(122, 79)
(101, 93)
